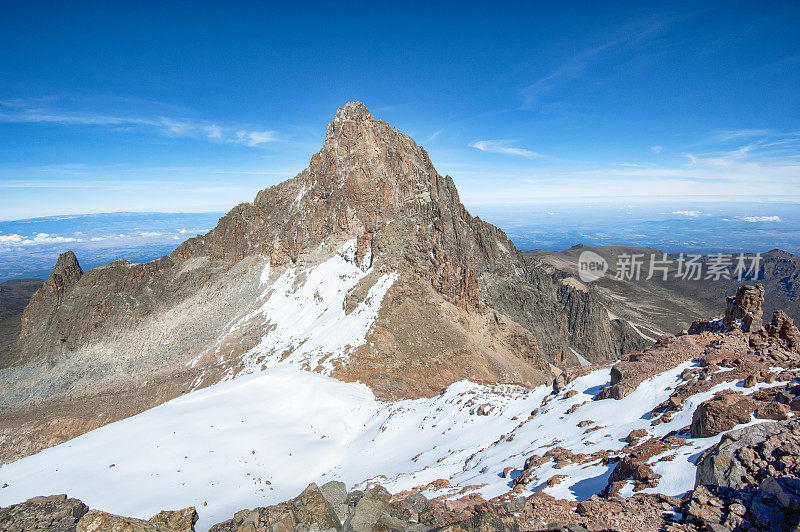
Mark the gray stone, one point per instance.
(336, 494)
(409, 508)
(719, 465)
(314, 512)
(368, 510)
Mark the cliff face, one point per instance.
(440, 295)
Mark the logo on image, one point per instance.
(591, 266)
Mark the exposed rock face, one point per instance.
(637, 366)
(336, 495)
(744, 312)
(55, 513)
(372, 510)
(368, 510)
(40, 311)
(483, 523)
(311, 510)
(14, 297)
(747, 456)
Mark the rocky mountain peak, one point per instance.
(67, 267)
(372, 191)
(364, 156)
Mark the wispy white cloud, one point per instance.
(571, 69)
(724, 135)
(435, 134)
(576, 66)
(690, 214)
(214, 132)
(656, 149)
(37, 239)
(254, 138)
(756, 219)
(758, 170)
(502, 146)
(16, 111)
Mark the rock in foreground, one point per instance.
(55, 513)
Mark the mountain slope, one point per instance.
(14, 297)
(258, 439)
(365, 266)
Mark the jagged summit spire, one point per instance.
(353, 111)
(351, 120)
(67, 268)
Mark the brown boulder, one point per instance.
(721, 413)
(774, 411)
(632, 468)
(311, 508)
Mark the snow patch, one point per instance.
(303, 314)
(264, 279)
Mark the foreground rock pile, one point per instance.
(751, 479)
(57, 513)
(332, 507)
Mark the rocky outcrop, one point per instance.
(637, 366)
(56, 513)
(783, 328)
(41, 311)
(370, 510)
(744, 312)
(483, 523)
(744, 309)
(164, 521)
(747, 456)
(749, 480)
(310, 510)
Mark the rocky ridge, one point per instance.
(665, 306)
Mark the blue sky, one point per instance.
(196, 106)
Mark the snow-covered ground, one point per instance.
(261, 438)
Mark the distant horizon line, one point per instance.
(791, 200)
